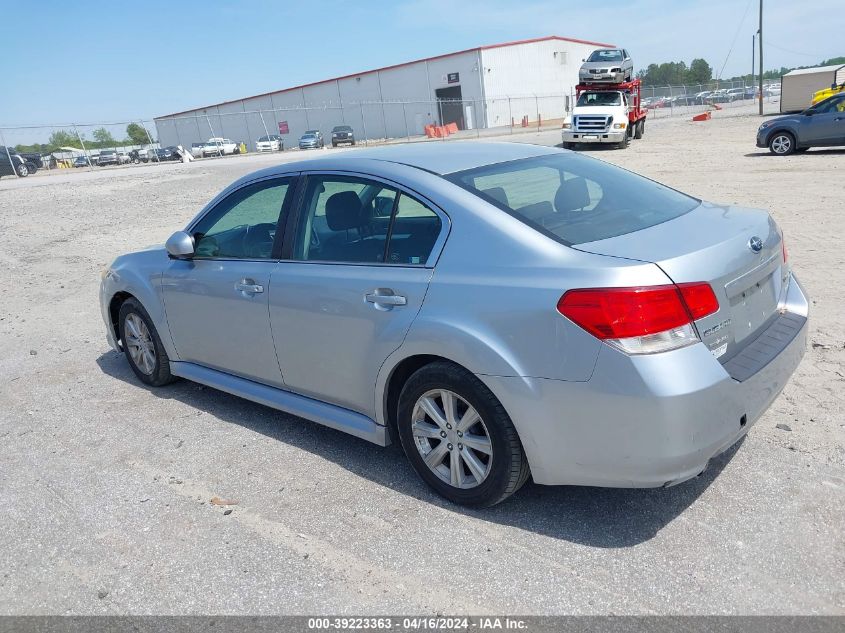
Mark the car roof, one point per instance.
(441, 158)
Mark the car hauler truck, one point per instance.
(605, 113)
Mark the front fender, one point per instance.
(139, 274)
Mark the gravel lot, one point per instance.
(105, 485)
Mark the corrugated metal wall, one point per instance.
(362, 101)
(525, 70)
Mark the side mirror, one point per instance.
(180, 245)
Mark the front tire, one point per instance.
(458, 436)
(782, 144)
(142, 345)
(23, 170)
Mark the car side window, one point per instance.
(414, 231)
(344, 219)
(243, 225)
(355, 220)
(837, 104)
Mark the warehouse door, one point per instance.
(450, 106)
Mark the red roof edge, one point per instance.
(392, 67)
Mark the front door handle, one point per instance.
(249, 287)
(385, 299)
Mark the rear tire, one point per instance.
(640, 129)
(142, 345)
(482, 474)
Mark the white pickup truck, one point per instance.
(220, 147)
(606, 114)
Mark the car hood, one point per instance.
(789, 118)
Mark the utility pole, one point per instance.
(753, 56)
(760, 34)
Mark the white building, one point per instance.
(488, 86)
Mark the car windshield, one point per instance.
(312, 132)
(605, 56)
(264, 139)
(342, 128)
(309, 135)
(600, 99)
(575, 199)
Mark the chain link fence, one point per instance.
(95, 145)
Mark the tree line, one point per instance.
(100, 138)
(700, 72)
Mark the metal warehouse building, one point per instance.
(482, 87)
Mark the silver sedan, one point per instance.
(502, 310)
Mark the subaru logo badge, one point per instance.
(755, 244)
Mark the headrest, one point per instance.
(498, 194)
(572, 194)
(344, 211)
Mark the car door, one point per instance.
(826, 126)
(216, 302)
(357, 267)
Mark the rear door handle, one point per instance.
(385, 299)
(249, 287)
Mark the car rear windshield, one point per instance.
(575, 199)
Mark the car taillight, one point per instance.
(641, 320)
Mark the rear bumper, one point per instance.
(643, 421)
(611, 136)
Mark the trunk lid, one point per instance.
(713, 243)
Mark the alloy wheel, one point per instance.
(451, 438)
(140, 344)
(781, 144)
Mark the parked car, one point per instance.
(11, 163)
(507, 309)
(196, 150)
(170, 152)
(342, 134)
(112, 157)
(271, 143)
(139, 156)
(701, 98)
(36, 160)
(220, 147)
(736, 94)
(612, 65)
(80, 161)
(821, 125)
(312, 139)
(719, 96)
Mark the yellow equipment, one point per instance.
(821, 95)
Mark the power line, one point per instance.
(787, 50)
(736, 35)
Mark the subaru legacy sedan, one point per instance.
(502, 310)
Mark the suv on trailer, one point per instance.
(613, 65)
(820, 125)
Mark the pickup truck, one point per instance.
(610, 113)
(220, 147)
